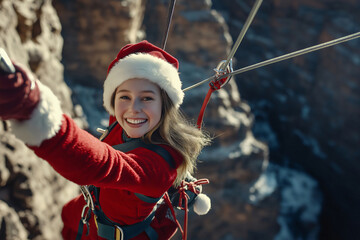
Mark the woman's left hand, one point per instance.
(19, 94)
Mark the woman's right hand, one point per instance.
(19, 94)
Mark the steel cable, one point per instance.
(281, 58)
(243, 31)
(169, 18)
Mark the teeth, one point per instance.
(136, 121)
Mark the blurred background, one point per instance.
(284, 163)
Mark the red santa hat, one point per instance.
(143, 60)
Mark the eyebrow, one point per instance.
(144, 91)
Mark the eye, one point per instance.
(146, 99)
(124, 97)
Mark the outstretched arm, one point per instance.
(77, 155)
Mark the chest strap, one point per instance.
(137, 142)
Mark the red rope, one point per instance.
(214, 85)
(202, 111)
(191, 186)
(168, 202)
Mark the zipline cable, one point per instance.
(295, 54)
(169, 18)
(281, 58)
(243, 31)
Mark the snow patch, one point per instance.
(263, 187)
(310, 142)
(91, 101)
(301, 203)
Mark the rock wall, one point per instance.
(94, 32)
(307, 108)
(195, 28)
(31, 194)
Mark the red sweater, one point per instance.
(83, 159)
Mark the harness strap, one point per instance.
(136, 143)
(110, 230)
(147, 199)
(80, 230)
(152, 234)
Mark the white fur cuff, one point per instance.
(45, 120)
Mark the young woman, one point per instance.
(148, 147)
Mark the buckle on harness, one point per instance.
(119, 233)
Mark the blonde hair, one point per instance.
(174, 130)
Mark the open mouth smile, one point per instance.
(135, 121)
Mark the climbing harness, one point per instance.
(108, 229)
(182, 198)
(105, 227)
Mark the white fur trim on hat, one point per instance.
(142, 65)
(44, 122)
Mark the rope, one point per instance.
(246, 26)
(282, 58)
(169, 18)
(295, 54)
(168, 202)
(188, 186)
(183, 202)
(199, 83)
(203, 107)
(242, 33)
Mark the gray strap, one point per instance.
(136, 143)
(148, 199)
(152, 234)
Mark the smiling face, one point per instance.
(137, 106)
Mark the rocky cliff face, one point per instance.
(307, 108)
(248, 196)
(96, 27)
(31, 193)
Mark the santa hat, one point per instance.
(143, 60)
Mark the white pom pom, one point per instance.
(202, 204)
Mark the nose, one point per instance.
(136, 106)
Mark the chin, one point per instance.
(135, 135)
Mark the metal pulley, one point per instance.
(220, 71)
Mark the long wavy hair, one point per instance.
(174, 130)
